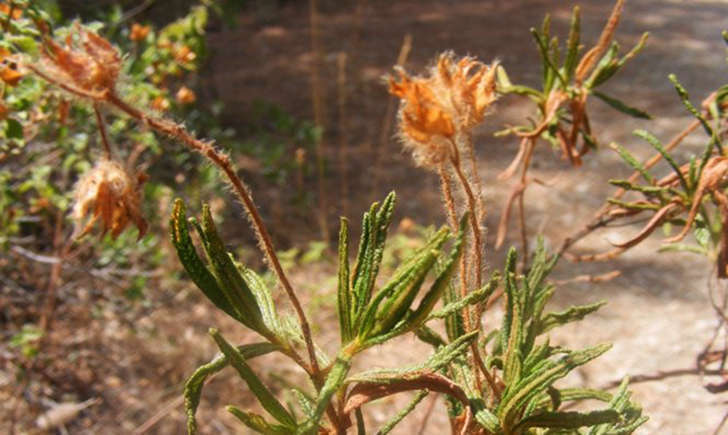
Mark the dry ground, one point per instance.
(658, 314)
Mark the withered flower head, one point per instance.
(86, 59)
(109, 193)
(470, 85)
(436, 108)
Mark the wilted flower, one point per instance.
(139, 32)
(87, 60)
(109, 193)
(435, 109)
(185, 95)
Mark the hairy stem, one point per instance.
(102, 130)
(223, 162)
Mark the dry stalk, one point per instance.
(317, 97)
(386, 129)
(343, 131)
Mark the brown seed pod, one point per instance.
(109, 193)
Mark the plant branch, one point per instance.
(223, 162)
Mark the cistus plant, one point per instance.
(503, 380)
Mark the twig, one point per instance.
(428, 413)
(163, 411)
(590, 278)
(223, 162)
(102, 130)
(343, 131)
(664, 374)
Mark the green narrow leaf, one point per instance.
(510, 290)
(652, 140)
(632, 161)
(257, 422)
(512, 355)
(572, 314)
(517, 395)
(682, 247)
(471, 298)
(264, 396)
(572, 46)
(344, 291)
(605, 69)
(394, 421)
(550, 72)
(399, 302)
(621, 106)
(378, 223)
(696, 113)
(193, 386)
(192, 263)
(429, 336)
(569, 420)
(228, 276)
(443, 279)
(334, 380)
(305, 402)
(263, 296)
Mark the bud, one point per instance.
(109, 193)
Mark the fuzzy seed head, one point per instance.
(110, 194)
(86, 59)
(449, 101)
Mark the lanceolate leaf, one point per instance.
(569, 420)
(403, 413)
(553, 320)
(443, 280)
(472, 298)
(572, 45)
(193, 386)
(376, 222)
(257, 422)
(228, 276)
(621, 106)
(519, 394)
(344, 290)
(264, 396)
(192, 263)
